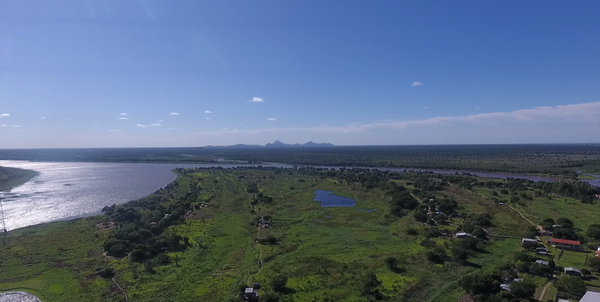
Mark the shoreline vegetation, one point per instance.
(213, 232)
(14, 177)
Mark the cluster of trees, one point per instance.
(485, 287)
(140, 226)
(561, 228)
(518, 187)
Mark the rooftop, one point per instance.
(565, 241)
(590, 297)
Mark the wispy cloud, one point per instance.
(4, 115)
(4, 125)
(257, 100)
(271, 119)
(541, 124)
(207, 111)
(140, 125)
(174, 113)
(43, 118)
(225, 129)
(416, 84)
(155, 125)
(123, 113)
(208, 118)
(425, 107)
(122, 118)
(14, 126)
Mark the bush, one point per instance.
(571, 285)
(412, 231)
(279, 282)
(107, 272)
(522, 289)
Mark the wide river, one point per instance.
(67, 190)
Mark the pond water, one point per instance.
(328, 199)
(18, 297)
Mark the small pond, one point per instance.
(327, 199)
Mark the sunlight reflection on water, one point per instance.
(69, 190)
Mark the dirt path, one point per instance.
(119, 286)
(533, 224)
(544, 291)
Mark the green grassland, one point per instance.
(12, 177)
(326, 252)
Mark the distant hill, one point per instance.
(279, 144)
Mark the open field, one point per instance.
(327, 254)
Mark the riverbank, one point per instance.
(14, 177)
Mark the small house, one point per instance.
(250, 295)
(505, 287)
(529, 242)
(571, 271)
(542, 262)
(463, 235)
(541, 251)
(590, 297)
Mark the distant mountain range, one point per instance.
(276, 144)
(279, 144)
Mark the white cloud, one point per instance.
(416, 84)
(4, 125)
(122, 118)
(559, 124)
(43, 118)
(257, 100)
(4, 115)
(113, 130)
(140, 125)
(207, 111)
(155, 125)
(123, 113)
(208, 118)
(14, 126)
(425, 107)
(271, 119)
(171, 128)
(225, 129)
(173, 113)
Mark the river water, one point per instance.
(67, 190)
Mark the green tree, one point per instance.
(522, 289)
(594, 263)
(279, 282)
(479, 284)
(571, 285)
(593, 231)
(460, 254)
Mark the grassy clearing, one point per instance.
(325, 252)
(54, 261)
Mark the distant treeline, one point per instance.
(550, 159)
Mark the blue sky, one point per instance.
(192, 73)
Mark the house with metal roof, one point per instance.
(590, 297)
(571, 271)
